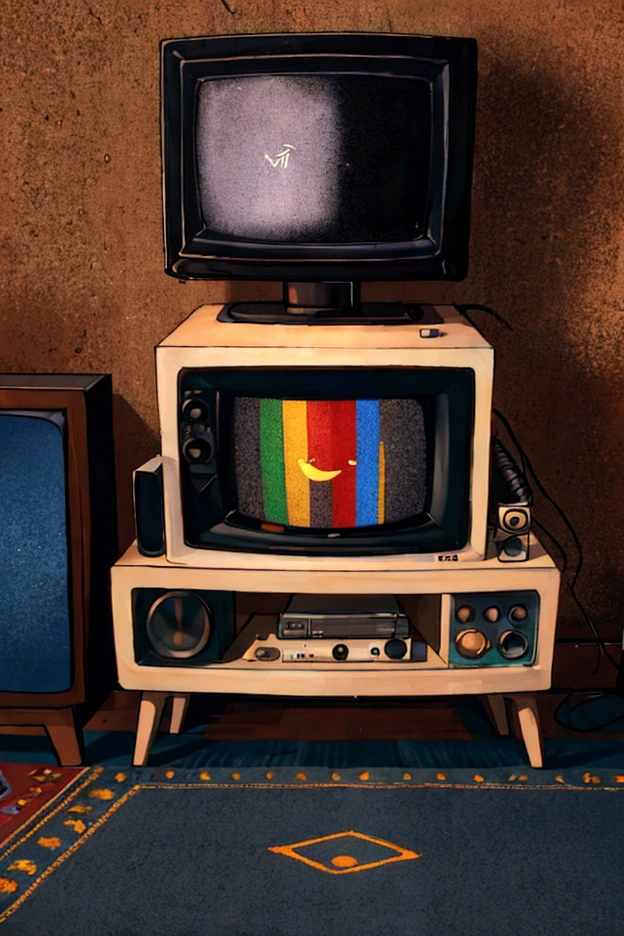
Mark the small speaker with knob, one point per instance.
(513, 645)
(511, 501)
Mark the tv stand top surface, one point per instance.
(203, 329)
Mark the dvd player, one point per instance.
(342, 616)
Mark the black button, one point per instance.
(396, 648)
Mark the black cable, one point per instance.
(601, 647)
(592, 698)
(512, 486)
(465, 307)
(557, 544)
(526, 465)
(600, 644)
(571, 530)
(543, 490)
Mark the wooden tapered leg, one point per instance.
(528, 717)
(66, 739)
(496, 708)
(150, 711)
(179, 705)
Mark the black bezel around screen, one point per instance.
(447, 395)
(447, 64)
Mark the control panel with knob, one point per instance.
(318, 650)
(493, 629)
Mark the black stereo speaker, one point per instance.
(57, 503)
(181, 627)
(149, 508)
(511, 500)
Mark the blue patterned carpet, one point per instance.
(292, 851)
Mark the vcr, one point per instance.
(342, 617)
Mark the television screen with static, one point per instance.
(326, 460)
(330, 464)
(34, 599)
(337, 158)
(57, 493)
(317, 156)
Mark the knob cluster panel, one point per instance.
(494, 629)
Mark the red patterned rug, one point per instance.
(25, 789)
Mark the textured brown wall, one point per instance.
(81, 276)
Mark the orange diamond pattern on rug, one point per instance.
(345, 852)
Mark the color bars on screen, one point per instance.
(329, 463)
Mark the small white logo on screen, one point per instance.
(281, 159)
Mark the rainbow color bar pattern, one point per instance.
(329, 464)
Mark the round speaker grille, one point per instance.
(197, 449)
(513, 645)
(472, 644)
(196, 410)
(515, 520)
(513, 547)
(178, 624)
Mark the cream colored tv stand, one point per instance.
(434, 676)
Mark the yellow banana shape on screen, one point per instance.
(316, 474)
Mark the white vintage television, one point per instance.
(336, 447)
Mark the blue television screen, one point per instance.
(34, 558)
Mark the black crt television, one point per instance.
(320, 160)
